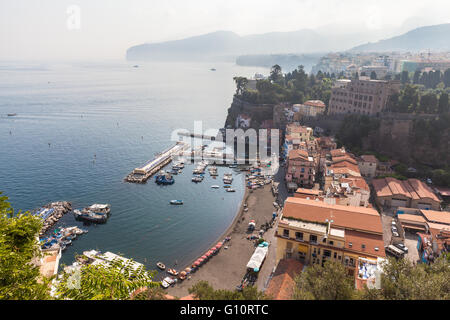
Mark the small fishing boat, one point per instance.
(164, 178)
(90, 216)
(167, 282)
(215, 187)
(176, 202)
(230, 190)
(12, 114)
(172, 272)
(227, 186)
(161, 265)
(213, 69)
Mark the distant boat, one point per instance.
(161, 265)
(135, 66)
(213, 69)
(12, 114)
(230, 190)
(176, 202)
(215, 187)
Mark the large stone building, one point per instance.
(361, 96)
(313, 232)
(411, 193)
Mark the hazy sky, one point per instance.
(48, 29)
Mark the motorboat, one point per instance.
(172, 272)
(230, 190)
(215, 187)
(90, 216)
(227, 186)
(176, 202)
(167, 282)
(164, 178)
(161, 265)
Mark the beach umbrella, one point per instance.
(196, 263)
(204, 257)
(187, 270)
(208, 254)
(256, 269)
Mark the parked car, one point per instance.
(393, 223)
(402, 247)
(395, 234)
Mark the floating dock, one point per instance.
(142, 174)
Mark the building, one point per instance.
(368, 165)
(310, 108)
(243, 121)
(300, 169)
(380, 71)
(361, 96)
(411, 193)
(281, 285)
(312, 231)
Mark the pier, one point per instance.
(51, 213)
(196, 135)
(142, 174)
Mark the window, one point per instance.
(363, 246)
(286, 233)
(313, 238)
(327, 253)
(335, 255)
(331, 242)
(299, 236)
(350, 244)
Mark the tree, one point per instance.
(202, 290)
(405, 77)
(429, 103)
(275, 73)
(443, 103)
(416, 78)
(401, 280)
(152, 293)
(20, 278)
(329, 282)
(241, 83)
(110, 281)
(446, 78)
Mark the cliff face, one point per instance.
(258, 113)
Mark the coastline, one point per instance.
(227, 269)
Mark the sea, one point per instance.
(81, 127)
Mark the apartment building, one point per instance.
(301, 169)
(313, 232)
(361, 96)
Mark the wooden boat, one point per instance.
(161, 265)
(172, 272)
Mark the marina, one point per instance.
(51, 213)
(142, 174)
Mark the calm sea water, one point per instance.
(123, 116)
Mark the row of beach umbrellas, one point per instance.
(207, 255)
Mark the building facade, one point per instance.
(361, 96)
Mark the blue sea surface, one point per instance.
(82, 127)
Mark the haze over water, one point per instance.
(123, 116)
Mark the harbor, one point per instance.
(51, 213)
(142, 174)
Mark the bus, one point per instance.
(393, 250)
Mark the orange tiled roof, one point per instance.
(442, 217)
(422, 189)
(370, 241)
(369, 158)
(309, 191)
(315, 103)
(411, 188)
(281, 286)
(348, 217)
(298, 153)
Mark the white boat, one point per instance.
(215, 187)
(167, 282)
(230, 190)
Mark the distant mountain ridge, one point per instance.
(227, 43)
(436, 38)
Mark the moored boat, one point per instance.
(172, 272)
(215, 187)
(230, 190)
(161, 265)
(176, 202)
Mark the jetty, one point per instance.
(51, 213)
(142, 174)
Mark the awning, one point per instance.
(257, 258)
(302, 248)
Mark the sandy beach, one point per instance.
(226, 269)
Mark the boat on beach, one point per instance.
(172, 272)
(167, 282)
(176, 202)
